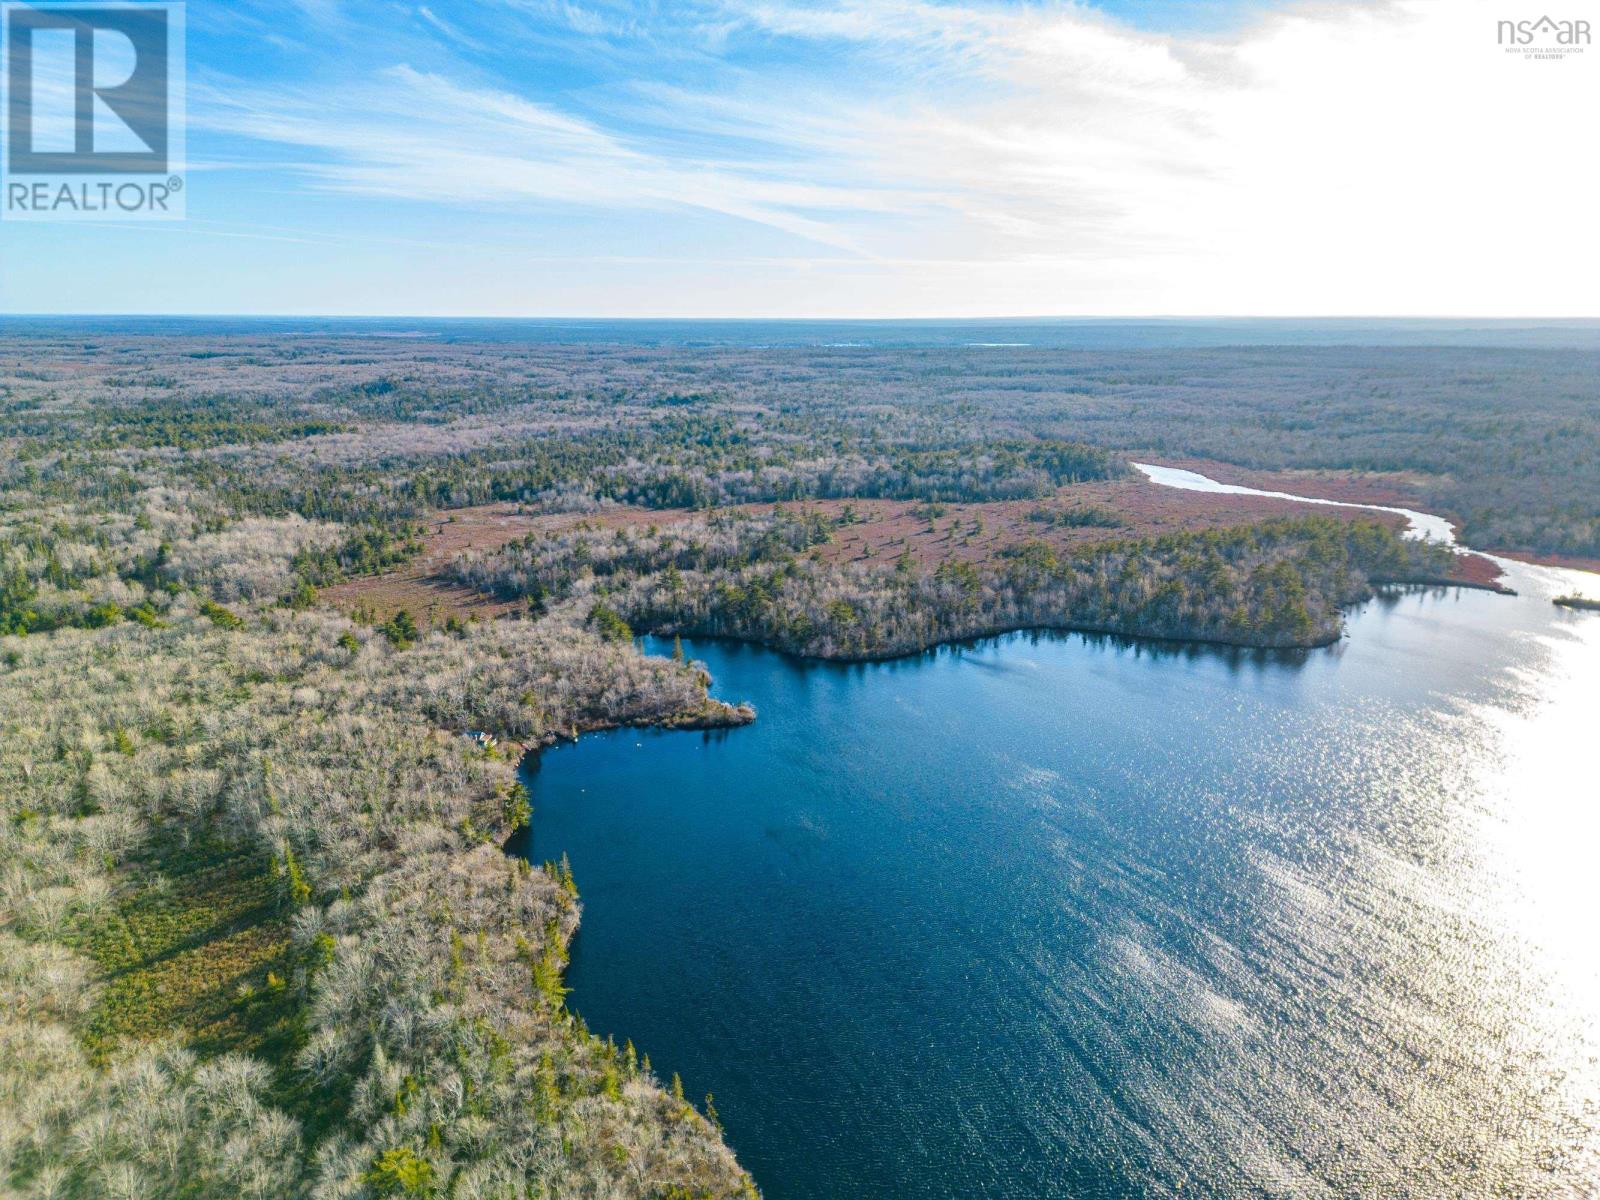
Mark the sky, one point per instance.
(857, 158)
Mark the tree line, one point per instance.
(1273, 584)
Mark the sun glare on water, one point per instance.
(1537, 837)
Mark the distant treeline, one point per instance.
(356, 431)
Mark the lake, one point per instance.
(1053, 916)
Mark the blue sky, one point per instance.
(852, 158)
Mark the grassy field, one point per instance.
(198, 946)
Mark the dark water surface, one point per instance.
(1059, 916)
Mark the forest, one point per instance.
(259, 935)
(353, 429)
(1281, 583)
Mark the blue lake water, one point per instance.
(1059, 916)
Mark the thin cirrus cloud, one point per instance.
(419, 136)
(1018, 128)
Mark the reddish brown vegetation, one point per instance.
(421, 588)
(1553, 560)
(1371, 487)
(884, 529)
(1399, 489)
(888, 527)
(1474, 570)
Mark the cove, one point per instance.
(1052, 916)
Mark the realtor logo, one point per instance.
(1543, 38)
(93, 110)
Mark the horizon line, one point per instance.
(1018, 317)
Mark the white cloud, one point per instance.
(448, 29)
(1380, 158)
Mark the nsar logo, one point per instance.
(1544, 38)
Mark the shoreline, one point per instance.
(1332, 486)
(1173, 640)
(1358, 487)
(713, 714)
(1560, 562)
(1473, 571)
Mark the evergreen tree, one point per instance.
(400, 629)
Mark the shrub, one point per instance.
(400, 1171)
(223, 618)
(608, 623)
(400, 629)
